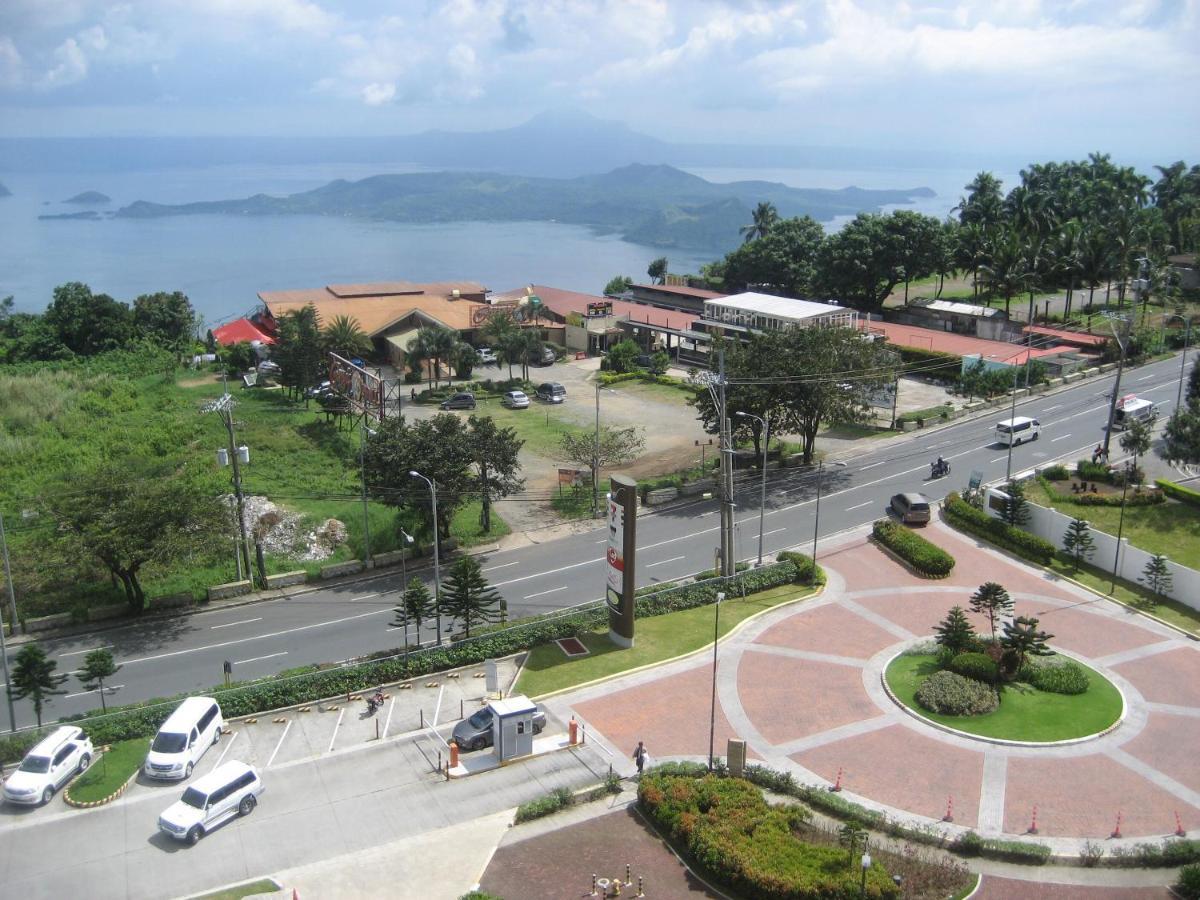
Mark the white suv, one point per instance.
(48, 766)
(229, 790)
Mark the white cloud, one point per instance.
(289, 15)
(12, 67)
(71, 65)
(376, 94)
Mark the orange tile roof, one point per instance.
(377, 306)
(958, 344)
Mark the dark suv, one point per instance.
(551, 392)
(461, 400)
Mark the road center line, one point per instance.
(81, 652)
(242, 662)
(586, 562)
(231, 624)
(501, 566)
(776, 531)
(998, 458)
(663, 562)
(1054, 407)
(859, 505)
(363, 597)
(544, 593)
(107, 687)
(873, 465)
(1057, 439)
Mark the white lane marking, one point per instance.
(501, 566)
(279, 744)
(1147, 377)
(1054, 407)
(859, 505)
(107, 687)
(242, 662)
(665, 561)
(711, 512)
(544, 593)
(1057, 439)
(231, 624)
(81, 652)
(586, 562)
(341, 713)
(872, 465)
(388, 723)
(998, 458)
(776, 531)
(228, 747)
(363, 597)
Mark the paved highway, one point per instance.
(164, 657)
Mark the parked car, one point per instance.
(461, 400)
(52, 762)
(268, 367)
(487, 356)
(911, 508)
(189, 731)
(317, 391)
(542, 357)
(475, 733)
(551, 392)
(515, 400)
(230, 789)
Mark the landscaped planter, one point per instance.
(231, 589)
(45, 623)
(391, 557)
(283, 579)
(662, 495)
(696, 488)
(343, 568)
(111, 611)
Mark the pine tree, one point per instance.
(1015, 510)
(416, 605)
(1077, 541)
(1022, 636)
(97, 666)
(33, 676)
(1157, 576)
(468, 597)
(993, 601)
(955, 632)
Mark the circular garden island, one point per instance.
(1012, 686)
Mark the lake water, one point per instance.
(222, 262)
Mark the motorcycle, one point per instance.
(373, 704)
(939, 469)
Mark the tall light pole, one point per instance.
(1187, 335)
(223, 406)
(765, 422)
(1012, 415)
(437, 571)
(712, 716)
(817, 513)
(362, 471)
(596, 455)
(1129, 469)
(12, 620)
(1122, 339)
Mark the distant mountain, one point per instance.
(650, 204)
(88, 198)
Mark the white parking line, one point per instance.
(501, 566)
(859, 505)
(341, 713)
(242, 662)
(231, 624)
(544, 593)
(663, 562)
(388, 724)
(81, 652)
(107, 687)
(278, 744)
(228, 747)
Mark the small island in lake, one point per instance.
(88, 198)
(89, 215)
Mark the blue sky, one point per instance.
(1038, 78)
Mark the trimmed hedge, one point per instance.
(1060, 678)
(1056, 473)
(977, 522)
(559, 798)
(1087, 470)
(950, 694)
(807, 572)
(971, 844)
(976, 666)
(926, 558)
(1178, 492)
(143, 719)
(1138, 498)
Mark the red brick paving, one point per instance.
(671, 715)
(1086, 633)
(920, 612)
(792, 698)
(1169, 744)
(1080, 797)
(904, 769)
(856, 637)
(994, 888)
(1170, 677)
(559, 865)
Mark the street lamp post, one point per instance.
(1187, 335)
(866, 867)
(712, 717)
(1122, 341)
(765, 421)
(12, 619)
(437, 571)
(368, 562)
(1129, 470)
(1012, 415)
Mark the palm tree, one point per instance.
(1005, 272)
(500, 330)
(1068, 254)
(765, 216)
(983, 204)
(528, 343)
(1095, 262)
(973, 251)
(1177, 194)
(437, 345)
(345, 337)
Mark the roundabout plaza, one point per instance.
(803, 686)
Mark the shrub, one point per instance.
(1179, 492)
(952, 695)
(1059, 678)
(1090, 471)
(1056, 473)
(1188, 885)
(807, 572)
(557, 799)
(977, 666)
(926, 558)
(977, 522)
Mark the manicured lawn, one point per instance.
(663, 393)
(541, 426)
(656, 639)
(1025, 714)
(249, 889)
(1131, 595)
(1171, 528)
(110, 771)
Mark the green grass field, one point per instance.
(541, 426)
(1025, 714)
(110, 771)
(1132, 595)
(657, 638)
(237, 892)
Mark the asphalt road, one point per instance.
(165, 657)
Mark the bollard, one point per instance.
(1033, 822)
(376, 729)
(453, 754)
(1179, 832)
(422, 719)
(837, 784)
(1117, 831)
(640, 892)
(628, 875)
(460, 708)
(573, 731)
(439, 761)
(949, 816)
(593, 893)
(616, 886)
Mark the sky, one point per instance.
(1053, 78)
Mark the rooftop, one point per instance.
(563, 302)
(376, 306)
(961, 309)
(681, 290)
(781, 307)
(959, 344)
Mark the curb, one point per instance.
(89, 804)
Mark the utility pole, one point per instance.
(727, 562)
(223, 406)
(1122, 337)
(12, 607)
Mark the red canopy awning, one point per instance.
(240, 330)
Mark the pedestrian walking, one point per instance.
(414, 397)
(639, 756)
(1097, 453)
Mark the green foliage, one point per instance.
(616, 446)
(467, 596)
(97, 666)
(955, 632)
(971, 844)
(166, 319)
(807, 572)
(781, 258)
(657, 270)
(1022, 637)
(1188, 885)
(622, 356)
(926, 558)
(1087, 470)
(993, 601)
(924, 415)
(617, 285)
(495, 452)
(1056, 472)
(33, 676)
(953, 695)
(864, 260)
(1168, 854)
(1179, 492)
(1059, 678)
(109, 772)
(977, 522)
(978, 666)
(416, 605)
(559, 798)
(1078, 542)
(930, 363)
(1015, 510)
(298, 349)
(1157, 576)
(345, 337)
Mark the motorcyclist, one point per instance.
(940, 467)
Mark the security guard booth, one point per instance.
(512, 727)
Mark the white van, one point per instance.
(229, 790)
(1130, 408)
(1011, 432)
(181, 741)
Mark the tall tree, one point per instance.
(495, 452)
(416, 604)
(88, 323)
(992, 601)
(97, 666)
(298, 349)
(917, 241)
(33, 676)
(764, 216)
(1006, 268)
(1181, 437)
(1015, 510)
(167, 319)
(1023, 636)
(345, 337)
(782, 260)
(983, 204)
(1078, 542)
(860, 264)
(658, 270)
(617, 285)
(954, 633)
(437, 345)
(615, 447)
(1157, 576)
(1136, 442)
(501, 330)
(467, 596)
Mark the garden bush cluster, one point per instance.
(950, 694)
(977, 522)
(807, 571)
(926, 558)
(1179, 492)
(1060, 678)
(976, 666)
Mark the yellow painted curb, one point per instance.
(109, 799)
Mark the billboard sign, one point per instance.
(599, 308)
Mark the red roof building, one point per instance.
(240, 330)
